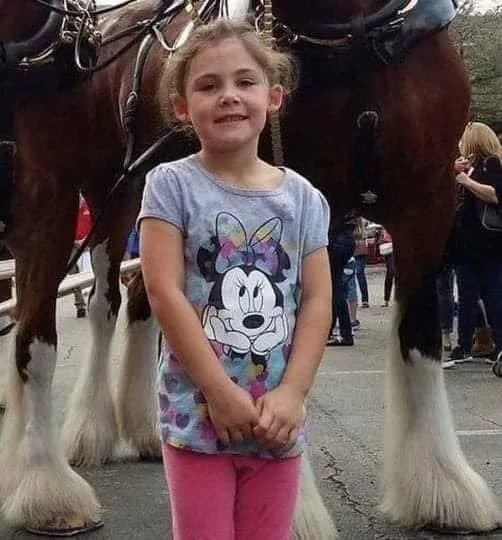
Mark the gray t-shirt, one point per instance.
(243, 260)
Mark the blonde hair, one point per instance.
(360, 229)
(279, 68)
(480, 141)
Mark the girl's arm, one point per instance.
(312, 324)
(162, 262)
(282, 410)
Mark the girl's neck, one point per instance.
(243, 170)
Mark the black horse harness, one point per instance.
(380, 38)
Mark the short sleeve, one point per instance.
(492, 175)
(316, 220)
(162, 197)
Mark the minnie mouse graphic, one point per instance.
(245, 309)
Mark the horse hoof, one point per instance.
(63, 527)
(150, 458)
(455, 531)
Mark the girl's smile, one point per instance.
(227, 97)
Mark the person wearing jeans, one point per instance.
(476, 279)
(361, 261)
(446, 304)
(361, 256)
(476, 252)
(340, 250)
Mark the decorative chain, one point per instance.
(274, 120)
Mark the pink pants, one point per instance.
(228, 497)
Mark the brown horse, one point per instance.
(381, 103)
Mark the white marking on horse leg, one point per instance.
(41, 486)
(7, 342)
(137, 389)
(90, 431)
(312, 519)
(426, 478)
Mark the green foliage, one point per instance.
(478, 39)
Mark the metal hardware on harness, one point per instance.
(368, 197)
(161, 40)
(73, 27)
(274, 120)
(128, 119)
(366, 168)
(368, 118)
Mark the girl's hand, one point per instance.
(233, 413)
(281, 414)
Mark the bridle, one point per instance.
(73, 23)
(381, 22)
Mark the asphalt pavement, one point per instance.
(346, 414)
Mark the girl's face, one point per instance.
(227, 97)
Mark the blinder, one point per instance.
(388, 34)
(386, 15)
(12, 54)
(45, 62)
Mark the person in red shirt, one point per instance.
(386, 251)
(83, 227)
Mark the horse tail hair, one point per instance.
(312, 520)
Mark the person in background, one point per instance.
(386, 250)
(131, 252)
(361, 256)
(476, 252)
(340, 249)
(84, 223)
(446, 299)
(349, 274)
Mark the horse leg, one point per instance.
(137, 382)
(426, 478)
(90, 431)
(39, 489)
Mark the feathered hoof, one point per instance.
(454, 498)
(65, 527)
(450, 531)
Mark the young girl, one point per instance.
(234, 259)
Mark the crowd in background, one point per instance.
(469, 280)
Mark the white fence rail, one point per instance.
(82, 279)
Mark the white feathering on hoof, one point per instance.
(312, 520)
(426, 478)
(137, 390)
(37, 485)
(8, 343)
(90, 431)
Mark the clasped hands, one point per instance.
(462, 165)
(272, 420)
